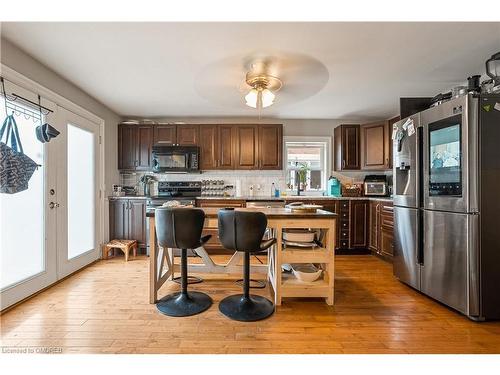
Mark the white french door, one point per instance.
(28, 254)
(77, 200)
(53, 228)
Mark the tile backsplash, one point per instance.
(261, 180)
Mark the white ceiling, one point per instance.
(343, 70)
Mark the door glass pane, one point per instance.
(81, 191)
(22, 239)
(445, 171)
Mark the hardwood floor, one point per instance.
(105, 309)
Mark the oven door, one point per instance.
(450, 156)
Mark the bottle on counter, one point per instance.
(273, 190)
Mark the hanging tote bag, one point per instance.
(16, 168)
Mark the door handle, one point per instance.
(343, 164)
(53, 205)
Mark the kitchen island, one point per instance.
(162, 264)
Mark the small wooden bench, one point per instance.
(123, 245)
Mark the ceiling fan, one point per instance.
(255, 80)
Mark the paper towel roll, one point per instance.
(238, 188)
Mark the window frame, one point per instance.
(326, 160)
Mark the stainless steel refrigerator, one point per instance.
(447, 204)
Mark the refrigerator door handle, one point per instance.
(420, 242)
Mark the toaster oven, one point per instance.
(375, 185)
(376, 188)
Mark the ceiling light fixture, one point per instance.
(263, 87)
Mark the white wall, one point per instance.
(15, 58)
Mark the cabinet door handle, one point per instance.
(343, 164)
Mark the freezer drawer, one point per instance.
(445, 274)
(405, 261)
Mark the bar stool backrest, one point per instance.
(241, 231)
(179, 227)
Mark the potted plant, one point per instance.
(301, 176)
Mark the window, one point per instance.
(310, 155)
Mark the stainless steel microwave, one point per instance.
(175, 159)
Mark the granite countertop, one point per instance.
(264, 198)
(129, 197)
(295, 197)
(271, 213)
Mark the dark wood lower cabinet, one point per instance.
(127, 220)
(387, 242)
(358, 238)
(382, 228)
(118, 219)
(374, 226)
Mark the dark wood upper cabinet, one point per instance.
(134, 147)
(226, 154)
(358, 226)
(208, 146)
(227, 146)
(165, 135)
(127, 144)
(144, 147)
(347, 147)
(376, 146)
(270, 146)
(188, 135)
(246, 147)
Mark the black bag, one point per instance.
(16, 168)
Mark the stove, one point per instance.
(183, 191)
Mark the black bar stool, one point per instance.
(181, 228)
(243, 231)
